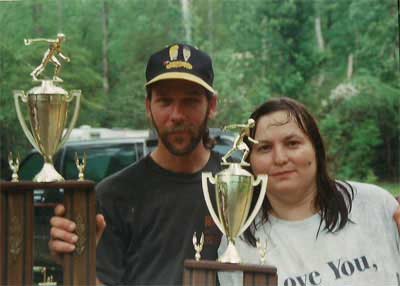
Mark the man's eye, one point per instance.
(192, 101)
(164, 101)
(195, 92)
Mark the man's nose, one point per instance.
(177, 112)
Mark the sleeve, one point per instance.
(383, 206)
(111, 249)
(390, 205)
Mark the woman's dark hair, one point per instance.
(208, 141)
(334, 198)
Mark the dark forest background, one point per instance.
(340, 58)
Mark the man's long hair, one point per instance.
(334, 198)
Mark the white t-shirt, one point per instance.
(363, 253)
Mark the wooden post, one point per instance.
(16, 258)
(203, 272)
(80, 267)
(17, 227)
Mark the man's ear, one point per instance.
(148, 108)
(213, 106)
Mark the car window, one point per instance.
(223, 145)
(31, 166)
(102, 161)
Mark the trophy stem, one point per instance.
(231, 255)
(48, 174)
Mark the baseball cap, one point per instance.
(181, 61)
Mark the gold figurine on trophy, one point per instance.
(47, 106)
(49, 56)
(238, 144)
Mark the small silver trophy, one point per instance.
(262, 250)
(48, 108)
(81, 166)
(198, 247)
(234, 192)
(14, 166)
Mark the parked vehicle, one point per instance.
(107, 151)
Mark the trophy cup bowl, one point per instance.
(48, 110)
(234, 193)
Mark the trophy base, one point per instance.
(48, 174)
(231, 255)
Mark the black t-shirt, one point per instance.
(151, 215)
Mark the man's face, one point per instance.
(179, 111)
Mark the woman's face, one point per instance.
(286, 154)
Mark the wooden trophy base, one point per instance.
(204, 272)
(17, 228)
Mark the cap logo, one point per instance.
(173, 52)
(173, 56)
(186, 53)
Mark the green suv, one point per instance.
(105, 156)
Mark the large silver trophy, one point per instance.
(47, 105)
(234, 193)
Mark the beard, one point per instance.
(196, 136)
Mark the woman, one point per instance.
(318, 231)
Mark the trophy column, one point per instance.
(198, 273)
(79, 268)
(16, 234)
(17, 228)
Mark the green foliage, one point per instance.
(362, 131)
(261, 49)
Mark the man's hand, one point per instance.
(396, 215)
(62, 236)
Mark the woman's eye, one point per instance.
(263, 148)
(293, 143)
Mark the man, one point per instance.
(153, 208)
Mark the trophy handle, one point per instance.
(204, 177)
(264, 180)
(69, 97)
(28, 134)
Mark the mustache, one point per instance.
(180, 128)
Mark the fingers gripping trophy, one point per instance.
(234, 192)
(47, 106)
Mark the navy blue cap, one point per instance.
(181, 61)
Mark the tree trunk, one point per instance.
(321, 46)
(185, 4)
(36, 15)
(60, 16)
(318, 33)
(350, 66)
(210, 24)
(106, 76)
